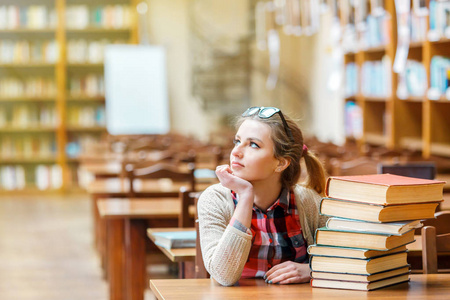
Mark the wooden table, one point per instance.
(126, 223)
(174, 254)
(435, 286)
(120, 188)
(185, 257)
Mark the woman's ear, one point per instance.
(283, 163)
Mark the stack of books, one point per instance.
(373, 217)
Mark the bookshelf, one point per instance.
(51, 86)
(407, 111)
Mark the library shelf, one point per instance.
(84, 98)
(404, 121)
(60, 74)
(86, 128)
(29, 160)
(27, 129)
(27, 99)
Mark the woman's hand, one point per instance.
(228, 180)
(288, 272)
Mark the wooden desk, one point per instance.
(175, 254)
(435, 286)
(126, 223)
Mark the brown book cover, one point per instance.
(359, 286)
(385, 189)
(365, 240)
(377, 212)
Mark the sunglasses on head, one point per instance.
(266, 113)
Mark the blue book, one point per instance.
(176, 239)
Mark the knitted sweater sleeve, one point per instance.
(308, 204)
(225, 249)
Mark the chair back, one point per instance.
(435, 241)
(187, 200)
(200, 270)
(358, 166)
(162, 170)
(424, 170)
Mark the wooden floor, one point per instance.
(46, 249)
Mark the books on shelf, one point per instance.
(357, 239)
(377, 212)
(91, 85)
(353, 120)
(81, 51)
(439, 78)
(107, 16)
(376, 78)
(175, 239)
(12, 177)
(48, 177)
(28, 51)
(324, 250)
(358, 266)
(358, 285)
(351, 79)
(32, 17)
(33, 86)
(361, 277)
(396, 228)
(384, 189)
(439, 12)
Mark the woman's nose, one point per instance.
(237, 152)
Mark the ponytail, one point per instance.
(316, 172)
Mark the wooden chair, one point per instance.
(200, 270)
(359, 166)
(436, 241)
(159, 171)
(188, 199)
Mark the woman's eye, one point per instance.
(236, 141)
(254, 145)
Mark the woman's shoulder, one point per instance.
(215, 193)
(306, 195)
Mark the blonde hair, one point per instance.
(293, 151)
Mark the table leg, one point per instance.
(135, 245)
(116, 258)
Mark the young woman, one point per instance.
(259, 221)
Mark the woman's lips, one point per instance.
(236, 164)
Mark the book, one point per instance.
(396, 228)
(385, 189)
(175, 239)
(358, 266)
(366, 240)
(360, 286)
(361, 277)
(377, 212)
(360, 253)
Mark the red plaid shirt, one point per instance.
(276, 236)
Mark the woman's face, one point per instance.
(252, 157)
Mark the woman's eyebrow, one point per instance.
(255, 139)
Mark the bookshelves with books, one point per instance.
(410, 105)
(372, 220)
(51, 85)
(29, 54)
(91, 26)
